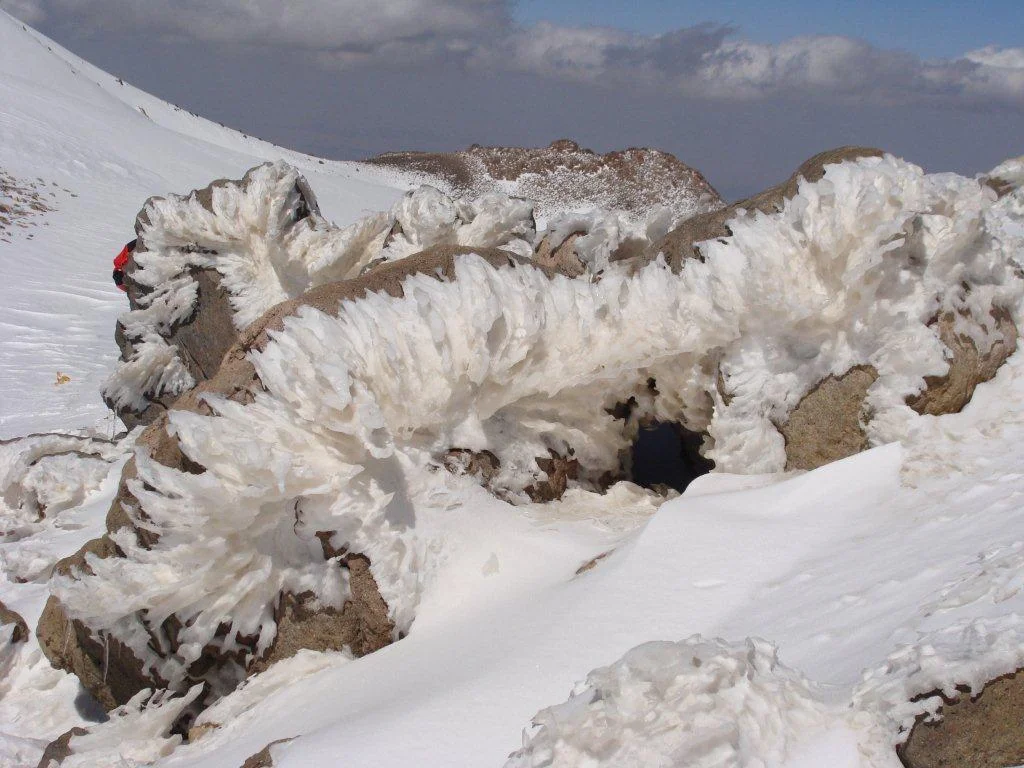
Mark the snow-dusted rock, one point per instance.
(564, 177)
(975, 730)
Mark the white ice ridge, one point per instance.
(268, 241)
(509, 360)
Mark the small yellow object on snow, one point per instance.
(62, 379)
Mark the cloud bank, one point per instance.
(704, 61)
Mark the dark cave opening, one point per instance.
(667, 454)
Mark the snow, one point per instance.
(821, 606)
(96, 149)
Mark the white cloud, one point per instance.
(705, 60)
(321, 25)
(28, 11)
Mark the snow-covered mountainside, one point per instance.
(399, 525)
(80, 152)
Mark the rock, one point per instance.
(107, 669)
(361, 625)
(59, 749)
(682, 242)
(967, 366)
(263, 758)
(826, 424)
(986, 731)
(564, 176)
(7, 617)
(561, 257)
(559, 470)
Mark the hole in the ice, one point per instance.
(666, 454)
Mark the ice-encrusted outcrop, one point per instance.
(209, 263)
(320, 438)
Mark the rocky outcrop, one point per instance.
(983, 731)
(107, 667)
(564, 176)
(682, 243)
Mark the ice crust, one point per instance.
(358, 406)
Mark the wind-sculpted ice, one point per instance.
(266, 239)
(357, 408)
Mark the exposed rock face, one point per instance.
(986, 731)
(106, 666)
(9, 617)
(968, 367)
(60, 748)
(565, 176)
(561, 257)
(682, 242)
(826, 425)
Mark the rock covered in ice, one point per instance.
(323, 566)
(209, 263)
(321, 435)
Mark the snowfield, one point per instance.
(763, 618)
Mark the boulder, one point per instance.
(682, 243)
(9, 617)
(106, 667)
(827, 423)
(983, 731)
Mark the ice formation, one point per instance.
(43, 475)
(268, 242)
(357, 407)
(699, 703)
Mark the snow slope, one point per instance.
(97, 149)
(838, 595)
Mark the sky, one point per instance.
(743, 91)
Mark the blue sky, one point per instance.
(924, 27)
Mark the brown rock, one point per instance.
(561, 257)
(682, 242)
(986, 731)
(564, 176)
(826, 424)
(206, 335)
(60, 748)
(967, 367)
(7, 616)
(361, 625)
(263, 758)
(560, 470)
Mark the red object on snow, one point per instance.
(122, 258)
(120, 262)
